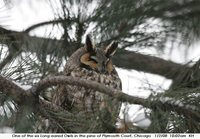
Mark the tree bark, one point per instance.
(12, 90)
(151, 64)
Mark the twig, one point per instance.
(55, 21)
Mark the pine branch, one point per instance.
(21, 96)
(57, 80)
(123, 58)
(132, 60)
(18, 94)
(6, 61)
(171, 104)
(55, 21)
(166, 104)
(10, 38)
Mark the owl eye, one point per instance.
(107, 60)
(94, 58)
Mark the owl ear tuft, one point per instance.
(111, 49)
(88, 44)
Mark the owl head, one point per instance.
(98, 59)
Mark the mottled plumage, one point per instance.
(93, 64)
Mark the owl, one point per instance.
(93, 64)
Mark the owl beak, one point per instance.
(102, 69)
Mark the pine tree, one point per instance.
(30, 64)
